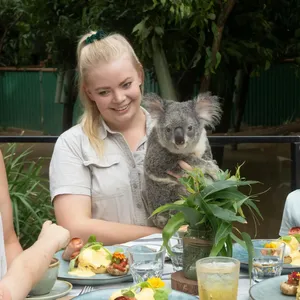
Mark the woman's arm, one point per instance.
(12, 245)
(28, 268)
(74, 213)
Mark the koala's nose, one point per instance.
(179, 136)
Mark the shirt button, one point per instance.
(135, 186)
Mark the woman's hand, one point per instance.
(5, 293)
(185, 166)
(53, 232)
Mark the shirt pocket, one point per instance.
(108, 176)
(110, 189)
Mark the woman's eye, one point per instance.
(126, 85)
(103, 93)
(190, 128)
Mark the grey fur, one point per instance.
(190, 119)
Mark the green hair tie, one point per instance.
(100, 34)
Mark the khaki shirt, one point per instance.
(114, 181)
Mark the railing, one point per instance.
(218, 141)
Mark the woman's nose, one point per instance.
(119, 97)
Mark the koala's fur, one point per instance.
(178, 134)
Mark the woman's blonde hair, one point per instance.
(106, 49)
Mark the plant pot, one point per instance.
(197, 244)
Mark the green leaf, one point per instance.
(161, 294)
(223, 231)
(73, 263)
(214, 29)
(128, 293)
(223, 185)
(218, 59)
(96, 247)
(119, 250)
(229, 246)
(190, 213)
(217, 247)
(250, 203)
(171, 227)
(92, 239)
(225, 214)
(209, 215)
(144, 284)
(250, 249)
(238, 240)
(267, 65)
(286, 238)
(159, 30)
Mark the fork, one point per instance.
(86, 289)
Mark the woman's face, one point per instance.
(115, 88)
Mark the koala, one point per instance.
(178, 133)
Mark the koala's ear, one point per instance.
(154, 105)
(208, 108)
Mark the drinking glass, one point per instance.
(146, 261)
(176, 247)
(218, 278)
(267, 259)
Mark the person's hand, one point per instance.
(51, 231)
(185, 166)
(4, 292)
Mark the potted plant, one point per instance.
(210, 208)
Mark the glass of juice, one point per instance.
(218, 278)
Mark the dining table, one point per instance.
(243, 286)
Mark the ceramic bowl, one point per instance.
(46, 283)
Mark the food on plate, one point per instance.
(119, 264)
(295, 231)
(290, 286)
(153, 288)
(93, 258)
(73, 249)
(291, 251)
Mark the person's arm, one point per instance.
(11, 242)
(74, 213)
(291, 213)
(28, 267)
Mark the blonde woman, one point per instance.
(20, 270)
(97, 166)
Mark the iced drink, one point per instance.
(218, 278)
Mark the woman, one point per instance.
(20, 270)
(96, 169)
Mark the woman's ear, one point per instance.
(141, 74)
(88, 93)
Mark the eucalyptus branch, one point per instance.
(224, 14)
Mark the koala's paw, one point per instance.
(160, 221)
(212, 170)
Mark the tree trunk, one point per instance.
(222, 18)
(240, 98)
(162, 71)
(223, 86)
(185, 85)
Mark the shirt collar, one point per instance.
(104, 129)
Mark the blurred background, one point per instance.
(245, 51)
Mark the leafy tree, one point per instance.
(190, 45)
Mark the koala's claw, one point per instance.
(160, 221)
